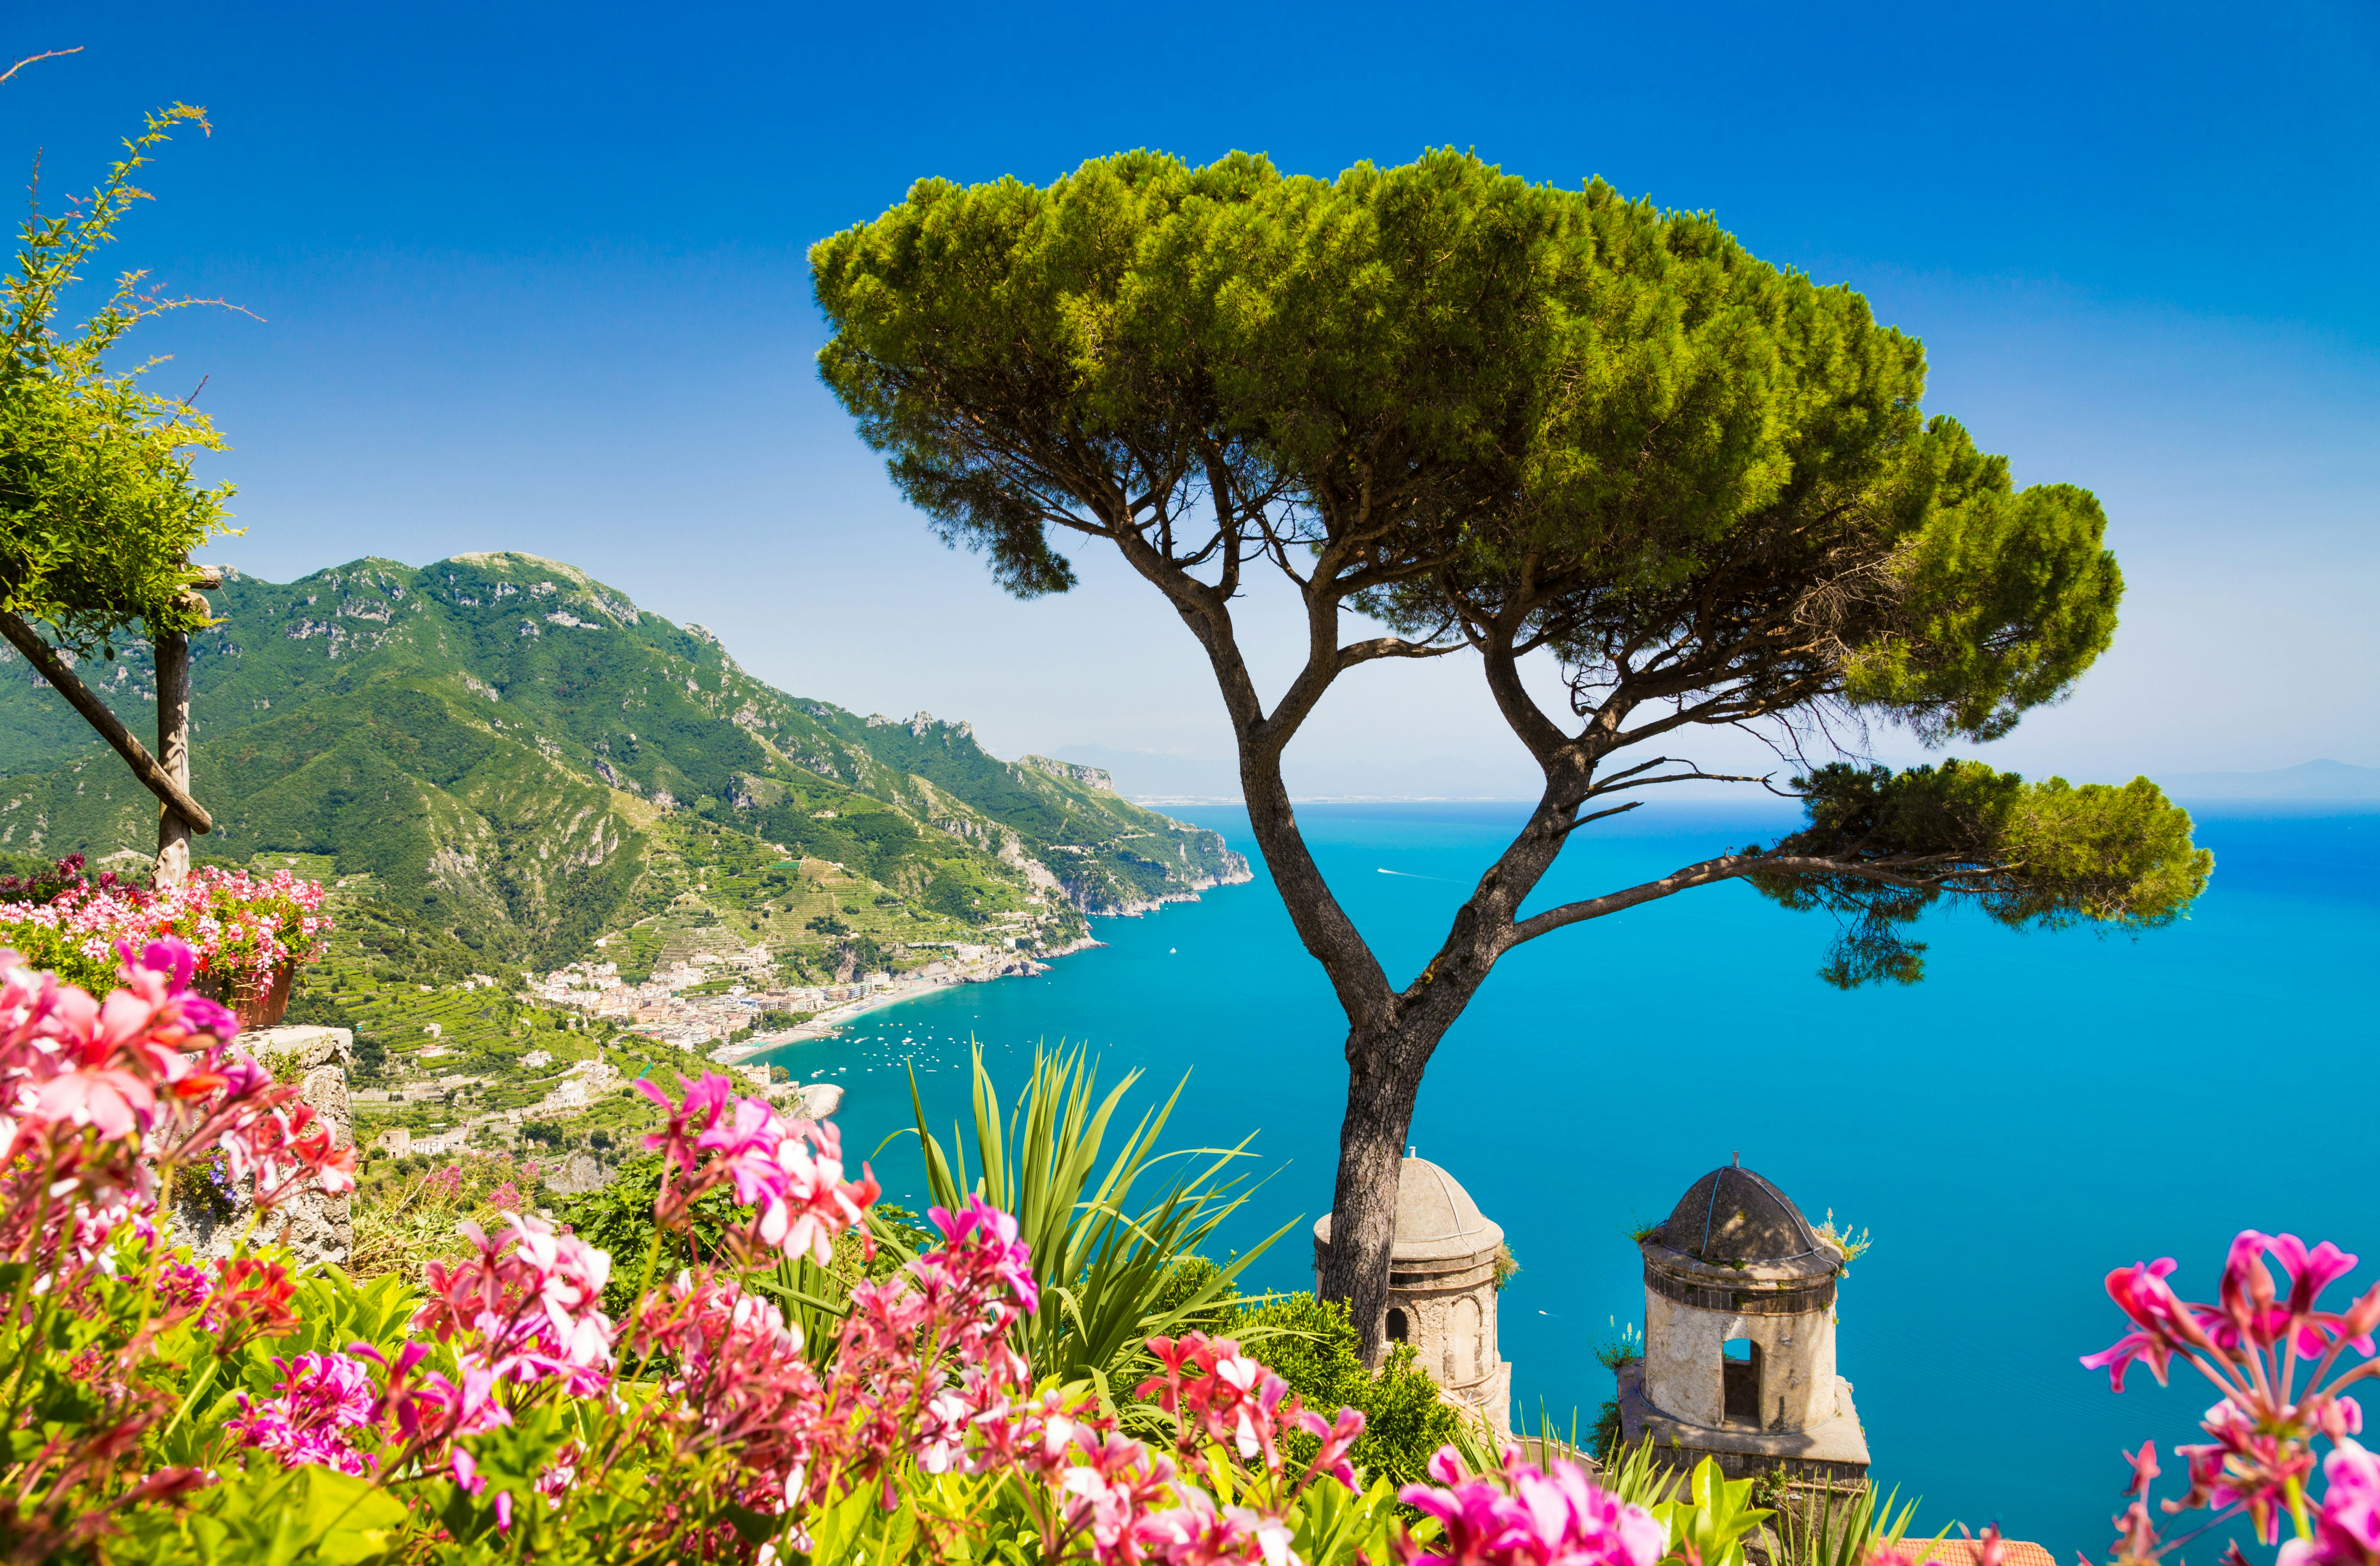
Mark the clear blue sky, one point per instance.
(533, 278)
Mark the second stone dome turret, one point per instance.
(1739, 1335)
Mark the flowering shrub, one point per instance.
(40, 886)
(43, 934)
(169, 1410)
(2274, 1354)
(101, 1105)
(239, 928)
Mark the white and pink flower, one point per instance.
(320, 1398)
(241, 930)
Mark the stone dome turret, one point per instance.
(1740, 1337)
(1444, 1258)
(1437, 1219)
(1732, 1216)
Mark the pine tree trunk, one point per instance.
(1383, 1078)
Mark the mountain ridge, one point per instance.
(510, 746)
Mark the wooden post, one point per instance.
(172, 652)
(52, 668)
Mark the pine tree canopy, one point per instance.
(1514, 418)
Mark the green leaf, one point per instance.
(837, 1531)
(265, 1515)
(350, 1518)
(1716, 1518)
(752, 1528)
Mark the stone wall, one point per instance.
(317, 1227)
(577, 1175)
(1835, 1451)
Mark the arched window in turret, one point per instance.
(1740, 1380)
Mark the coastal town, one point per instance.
(726, 1007)
(730, 1005)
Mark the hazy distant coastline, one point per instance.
(2310, 780)
(1153, 780)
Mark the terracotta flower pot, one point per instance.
(256, 1005)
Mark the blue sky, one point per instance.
(533, 278)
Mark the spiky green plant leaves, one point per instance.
(1104, 1257)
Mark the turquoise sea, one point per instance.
(2040, 1109)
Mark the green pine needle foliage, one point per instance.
(1558, 416)
(2031, 855)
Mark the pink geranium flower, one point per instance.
(529, 1304)
(322, 1397)
(288, 1149)
(691, 1117)
(1524, 1516)
(2271, 1354)
(982, 1239)
(2161, 1324)
(789, 1171)
(115, 1103)
(1221, 1395)
(465, 1406)
(1196, 1532)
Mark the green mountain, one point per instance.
(522, 761)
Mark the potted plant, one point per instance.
(250, 932)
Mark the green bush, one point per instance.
(619, 1218)
(1608, 1434)
(618, 1215)
(1195, 1296)
(1312, 1345)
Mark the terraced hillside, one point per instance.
(523, 761)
